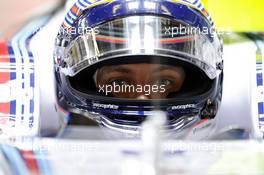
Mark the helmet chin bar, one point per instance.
(169, 126)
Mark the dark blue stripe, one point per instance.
(30, 54)
(195, 1)
(186, 1)
(23, 109)
(13, 75)
(261, 108)
(70, 17)
(32, 80)
(140, 112)
(68, 21)
(31, 60)
(12, 119)
(10, 49)
(87, 2)
(11, 52)
(13, 107)
(83, 5)
(23, 77)
(20, 52)
(12, 60)
(260, 79)
(31, 108)
(31, 122)
(261, 119)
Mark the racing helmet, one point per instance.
(99, 37)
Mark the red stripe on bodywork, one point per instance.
(62, 110)
(199, 123)
(5, 109)
(30, 161)
(4, 58)
(194, 126)
(4, 78)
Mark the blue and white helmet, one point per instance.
(175, 33)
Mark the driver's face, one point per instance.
(161, 79)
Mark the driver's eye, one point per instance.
(118, 82)
(163, 82)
